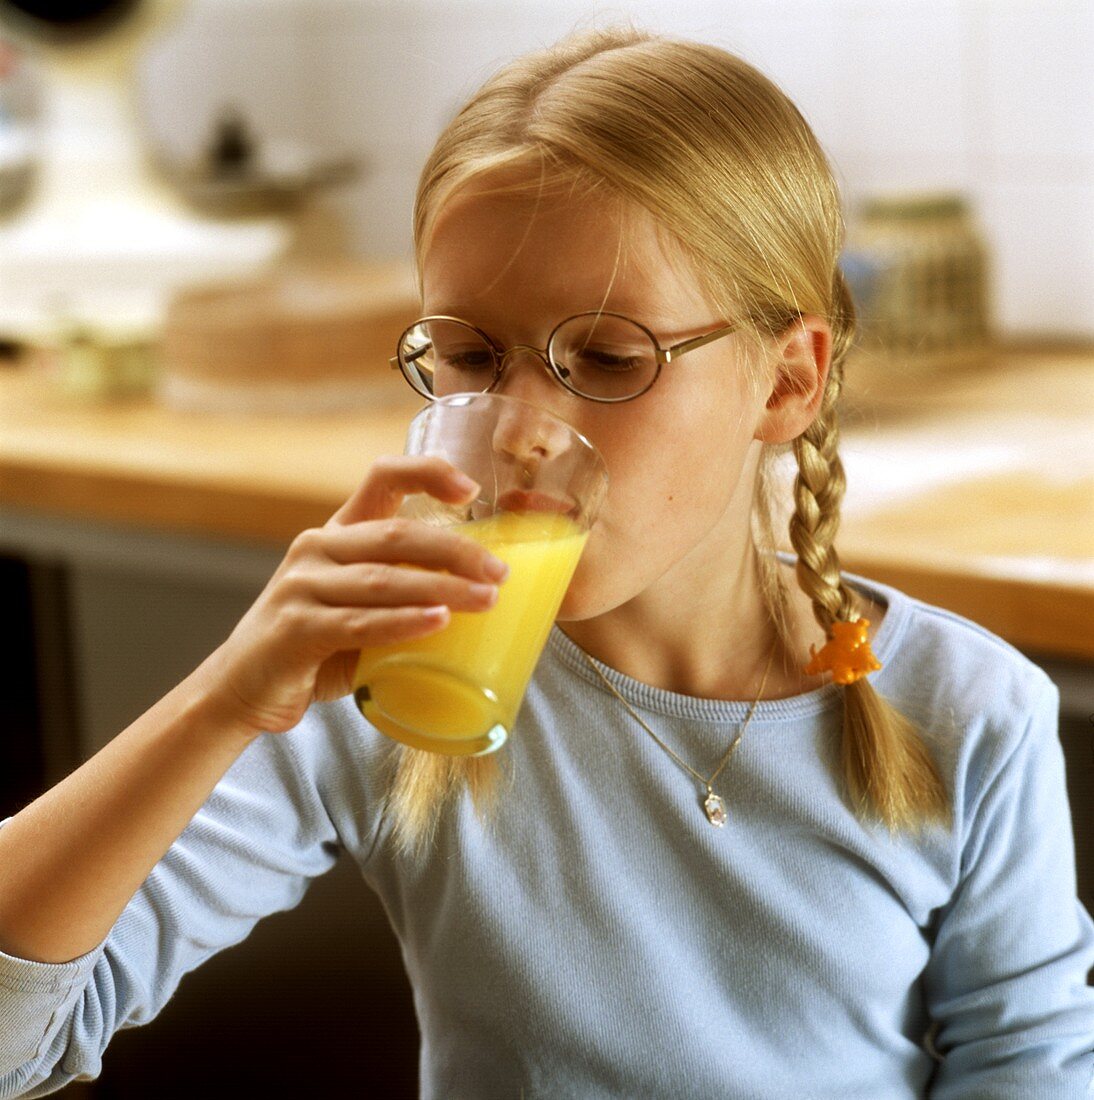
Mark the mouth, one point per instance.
(529, 500)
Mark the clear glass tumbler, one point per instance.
(458, 690)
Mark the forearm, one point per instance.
(71, 860)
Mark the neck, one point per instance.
(717, 649)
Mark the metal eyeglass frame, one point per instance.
(663, 355)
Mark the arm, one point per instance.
(1006, 981)
(252, 849)
(101, 853)
(109, 822)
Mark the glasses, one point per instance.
(599, 356)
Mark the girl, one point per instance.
(874, 895)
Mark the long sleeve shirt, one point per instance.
(599, 938)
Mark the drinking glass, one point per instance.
(457, 691)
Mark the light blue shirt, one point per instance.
(602, 939)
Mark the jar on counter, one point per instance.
(918, 268)
(97, 362)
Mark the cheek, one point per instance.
(645, 526)
(667, 482)
(666, 491)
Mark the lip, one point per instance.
(529, 500)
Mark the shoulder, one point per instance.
(939, 655)
(968, 689)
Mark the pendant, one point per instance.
(715, 808)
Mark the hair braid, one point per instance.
(818, 492)
(885, 763)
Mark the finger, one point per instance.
(406, 540)
(392, 477)
(353, 628)
(374, 585)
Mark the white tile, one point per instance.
(236, 19)
(1042, 242)
(713, 11)
(391, 81)
(697, 19)
(493, 32)
(903, 88)
(378, 210)
(870, 172)
(1035, 81)
(236, 55)
(267, 80)
(399, 72)
(342, 16)
(161, 87)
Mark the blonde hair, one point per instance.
(729, 168)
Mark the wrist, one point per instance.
(217, 709)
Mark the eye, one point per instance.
(604, 346)
(611, 359)
(468, 359)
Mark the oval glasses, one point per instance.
(600, 356)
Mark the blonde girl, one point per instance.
(883, 906)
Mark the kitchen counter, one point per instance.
(974, 491)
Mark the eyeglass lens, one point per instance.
(598, 355)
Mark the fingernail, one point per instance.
(496, 569)
(483, 591)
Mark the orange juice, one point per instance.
(458, 690)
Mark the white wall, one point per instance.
(995, 97)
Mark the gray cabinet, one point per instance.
(316, 997)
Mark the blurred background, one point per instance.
(204, 264)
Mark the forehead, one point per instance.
(495, 254)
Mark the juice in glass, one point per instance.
(458, 691)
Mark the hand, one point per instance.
(341, 587)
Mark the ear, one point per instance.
(801, 355)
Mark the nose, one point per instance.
(527, 431)
(535, 382)
(523, 431)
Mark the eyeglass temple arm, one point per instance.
(416, 354)
(668, 354)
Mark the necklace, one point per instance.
(713, 804)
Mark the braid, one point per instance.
(818, 493)
(887, 769)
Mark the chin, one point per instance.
(585, 598)
(599, 583)
(574, 612)
(576, 605)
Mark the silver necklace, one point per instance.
(713, 804)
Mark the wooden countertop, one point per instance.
(974, 491)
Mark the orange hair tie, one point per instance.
(846, 654)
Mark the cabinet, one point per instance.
(315, 998)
